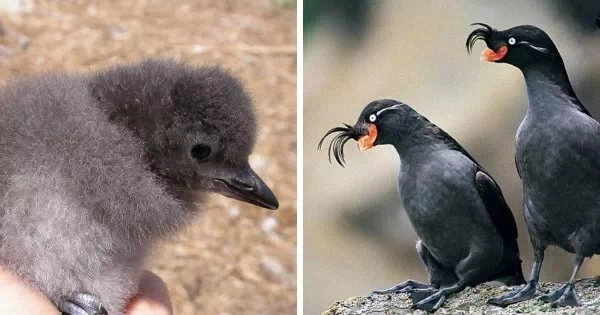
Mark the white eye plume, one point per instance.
(373, 117)
(540, 49)
(512, 41)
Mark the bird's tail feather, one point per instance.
(513, 272)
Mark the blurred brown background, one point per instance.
(237, 259)
(357, 237)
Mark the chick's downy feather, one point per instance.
(92, 169)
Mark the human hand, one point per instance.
(18, 298)
(152, 298)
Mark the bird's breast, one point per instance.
(441, 204)
(559, 163)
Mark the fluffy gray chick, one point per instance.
(95, 168)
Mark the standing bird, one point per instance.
(467, 232)
(95, 168)
(557, 155)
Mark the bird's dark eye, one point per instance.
(201, 152)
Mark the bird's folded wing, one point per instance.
(496, 206)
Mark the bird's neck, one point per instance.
(419, 142)
(547, 83)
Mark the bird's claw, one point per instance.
(563, 296)
(526, 293)
(392, 290)
(431, 303)
(81, 304)
(406, 286)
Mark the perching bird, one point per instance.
(557, 155)
(95, 168)
(467, 232)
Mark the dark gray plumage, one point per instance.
(467, 232)
(95, 168)
(557, 157)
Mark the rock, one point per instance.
(471, 301)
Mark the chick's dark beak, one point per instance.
(247, 186)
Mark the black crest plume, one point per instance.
(484, 33)
(336, 146)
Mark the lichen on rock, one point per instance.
(472, 301)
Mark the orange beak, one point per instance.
(491, 56)
(366, 142)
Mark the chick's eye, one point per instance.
(372, 118)
(512, 41)
(201, 152)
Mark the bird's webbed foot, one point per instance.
(81, 304)
(406, 286)
(525, 293)
(563, 296)
(432, 302)
(417, 295)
